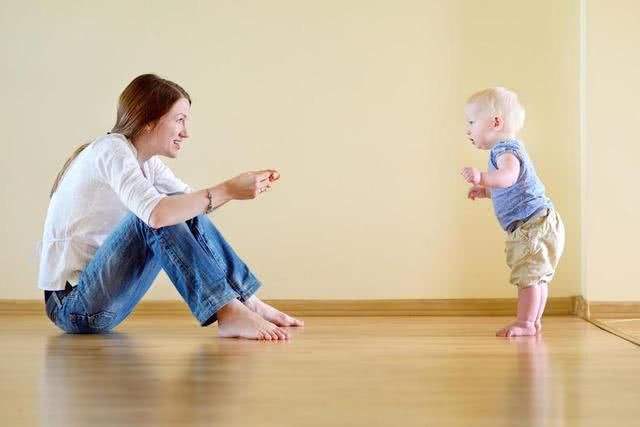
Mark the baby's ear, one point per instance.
(497, 123)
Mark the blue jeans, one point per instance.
(200, 263)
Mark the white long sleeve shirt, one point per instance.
(102, 185)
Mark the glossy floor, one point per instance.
(627, 328)
(371, 371)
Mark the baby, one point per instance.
(535, 232)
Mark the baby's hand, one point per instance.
(471, 175)
(477, 192)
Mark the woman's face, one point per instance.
(170, 131)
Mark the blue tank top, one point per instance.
(524, 198)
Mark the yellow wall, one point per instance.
(611, 200)
(358, 103)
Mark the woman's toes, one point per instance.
(284, 335)
(278, 334)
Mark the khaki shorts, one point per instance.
(534, 248)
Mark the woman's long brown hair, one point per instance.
(145, 100)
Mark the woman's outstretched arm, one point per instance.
(178, 208)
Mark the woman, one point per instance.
(118, 215)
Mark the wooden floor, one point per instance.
(628, 329)
(395, 371)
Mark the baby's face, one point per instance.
(480, 127)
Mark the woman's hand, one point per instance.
(249, 185)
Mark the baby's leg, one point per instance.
(544, 292)
(528, 307)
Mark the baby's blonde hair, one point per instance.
(499, 101)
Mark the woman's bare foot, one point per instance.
(517, 329)
(237, 321)
(271, 314)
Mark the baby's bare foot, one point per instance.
(538, 326)
(271, 314)
(237, 321)
(517, 329)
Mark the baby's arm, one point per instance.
(479, 192)
(505, 176)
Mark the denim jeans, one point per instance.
(200, 263)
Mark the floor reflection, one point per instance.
(117, 379)
(533, 399)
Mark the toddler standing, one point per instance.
(535, 232)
